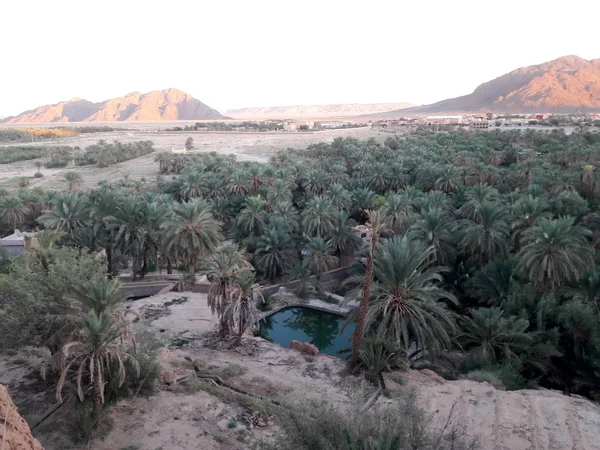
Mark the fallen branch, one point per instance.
(16, 367)
(138, 390)
(52, 412)
(371, 400)
(218, 381)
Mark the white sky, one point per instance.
(230, 53)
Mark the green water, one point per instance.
(309, 325)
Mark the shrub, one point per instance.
(401, 425)
(148, 346)
(487, 377)
(38, 174)
(104, 154)
(378, 354)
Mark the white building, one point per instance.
(445, 120)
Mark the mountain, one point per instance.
(313, 111)
(168, 104)
(565, 85)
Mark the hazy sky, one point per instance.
(265, 53)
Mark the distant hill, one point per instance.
(168, 104)
(313, 111)
(566, 85)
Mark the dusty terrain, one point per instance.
(184, 415)
(246, 146)
(14, 432)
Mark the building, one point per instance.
(18, 242)
(290, 126)
(479, 125)
(443, 120)
(332, 124)
(179, 151)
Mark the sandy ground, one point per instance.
(179, 417)
(246, 146)
(191, 316)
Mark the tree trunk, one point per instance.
(364, 303)
(238, 341)
(109, 262)
(193, 265)
(143, 268)
(96, 403)
(169, 266)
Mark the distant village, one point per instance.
(471, 121)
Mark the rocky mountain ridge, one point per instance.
(168, 104)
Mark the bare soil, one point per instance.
(184, 415)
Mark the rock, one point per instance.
(311, 349)
(304, 347)
(18, 435)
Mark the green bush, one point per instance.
(104, 154)
(24, 153)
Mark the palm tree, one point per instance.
(493, 283)
(587, 289)
(69, 211)
(252, 219)
(316, 182)
(340, 197)
(406, 303)
(192, 232)
(276, 251)
(434, 227)
(485, 239)
(279, 192)
(288, 214)
(192, 185)
(239, 184)
(362, 201)
(73, 180)
(100, 295)
(103, 212)
(99, 345)
(319, 257)
(223, 270)
(378, 179)
(448, 179)
(241, 313)
(137, 223)
(12, 211)
(494, 337)
(476, 197)
(588, 181)
(344, 238)
(555, 253)
(318, 218)
(526, 213)
(378, 223)
(400, 210)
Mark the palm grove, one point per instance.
(482, 256)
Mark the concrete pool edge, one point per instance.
(317, 305)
